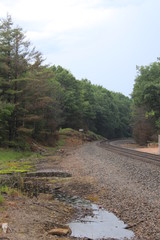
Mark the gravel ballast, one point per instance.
(127, 187)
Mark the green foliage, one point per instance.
(36, 100)
(10, 161)
(9, 154)
(94, 136)
(66, 131)
(28, 90)
(93, 107)
(6, 111)
(74, 134)
(1, 199)
(123, 117)
(158, 124)
(60, 142)
(4, 189)
(70, 100)
(146, 96)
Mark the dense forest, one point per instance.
(36, 100)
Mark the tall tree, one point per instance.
(146, 96)
(16, 59)
(71, 97)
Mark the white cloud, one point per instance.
(57, 16)
(101, 40)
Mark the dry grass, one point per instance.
(93, 198)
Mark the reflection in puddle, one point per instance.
(101, 225)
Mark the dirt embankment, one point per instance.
(127, 187)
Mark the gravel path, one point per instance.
(127, 187)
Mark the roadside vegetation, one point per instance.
(15, 163)
(12, 161)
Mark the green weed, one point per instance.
(10, 161)
(65, 130)
(61, 142)
(8, 154)
(8, 191)
(1, 199)
(15, 167)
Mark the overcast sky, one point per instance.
(101, 40)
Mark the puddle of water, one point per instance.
(101, 225)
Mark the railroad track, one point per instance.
(142, 156)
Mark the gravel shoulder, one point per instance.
(127, 187)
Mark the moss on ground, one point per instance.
(14, 161)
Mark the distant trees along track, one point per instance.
(142, 156)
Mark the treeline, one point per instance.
(92, 107)
(36, 100)
(146, 103)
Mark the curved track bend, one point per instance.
(142, 156)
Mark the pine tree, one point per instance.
(17, 58)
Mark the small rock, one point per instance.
(5, 227)
(60, 231)
(12, 204)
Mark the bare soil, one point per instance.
(149, 149)
(153, 150)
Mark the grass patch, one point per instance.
(69, 132)
(61, 142)
(9, 154)
(69, 136)
(10, 161)
(5, 190)
(15, 168)
(94, 136)
(1, 199)
(72, 132)
(65, 130)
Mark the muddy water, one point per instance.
(101, 225)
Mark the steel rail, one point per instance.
(142, 156)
